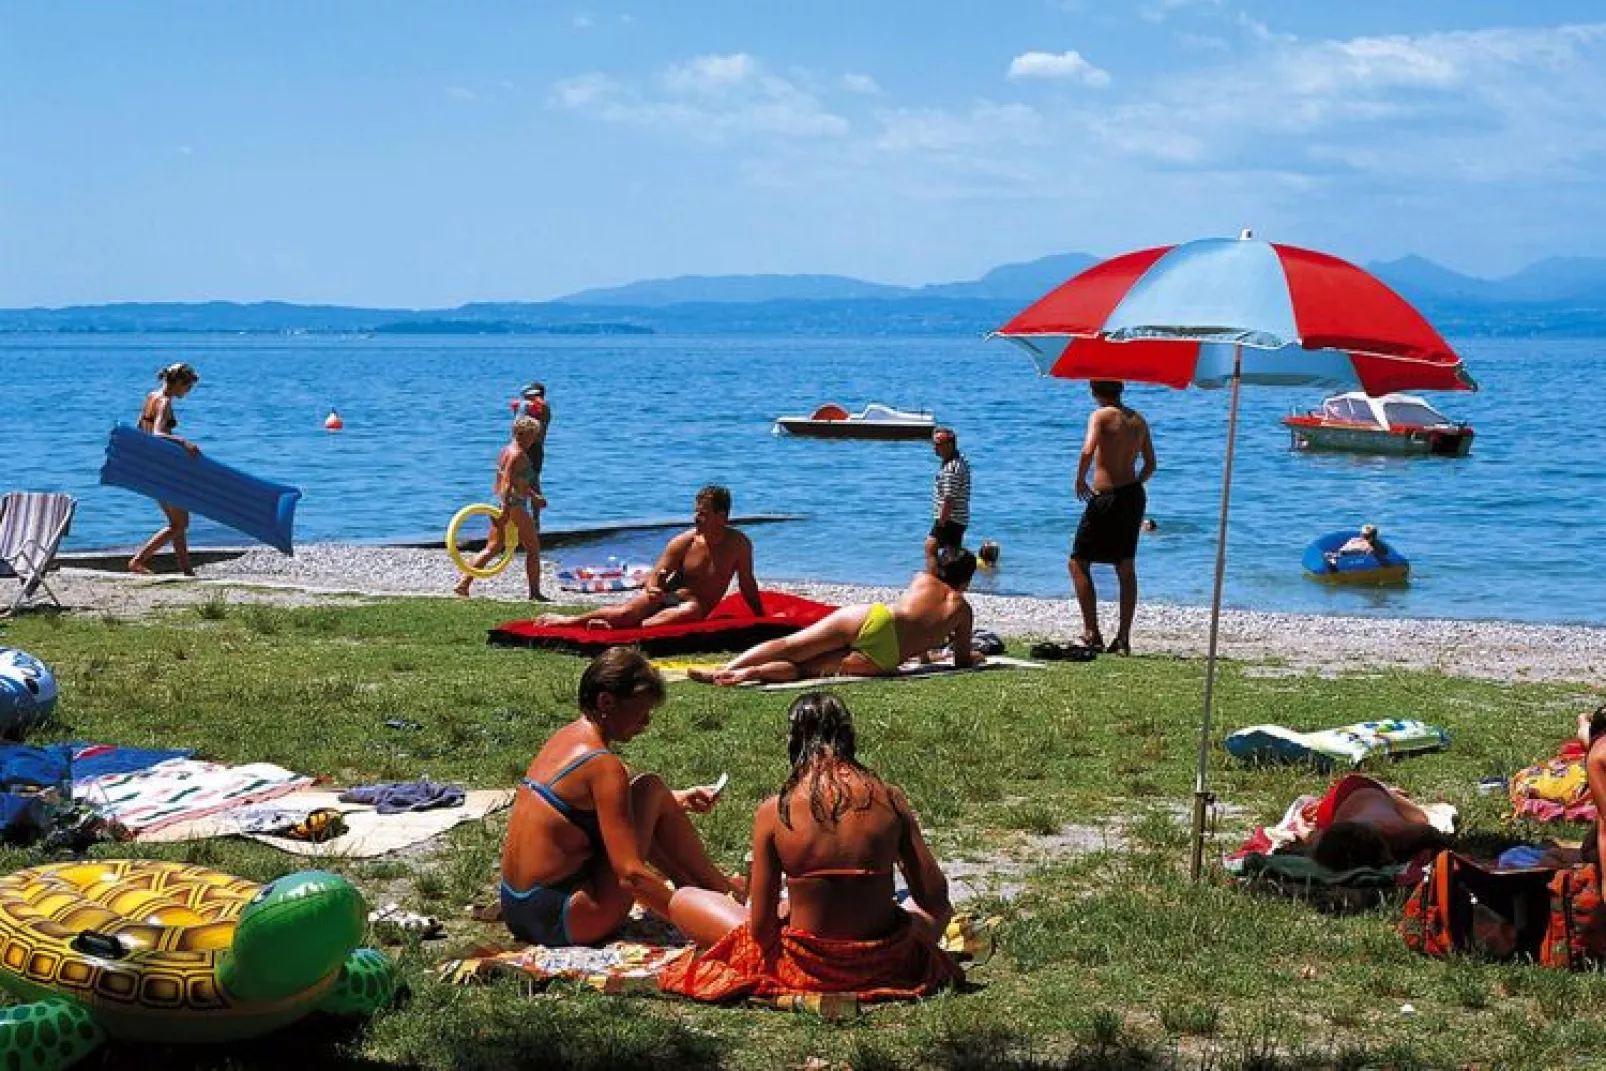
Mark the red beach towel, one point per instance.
(898, 967)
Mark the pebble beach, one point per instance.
(1272, 642)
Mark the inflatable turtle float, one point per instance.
(156, 951)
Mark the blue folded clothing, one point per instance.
(1521, 857)
(397, 797)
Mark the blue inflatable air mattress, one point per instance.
(1390, 567)
(164, 470)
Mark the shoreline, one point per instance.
(1272, 642)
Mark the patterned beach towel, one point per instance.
(181, 789)
(622, 968)
(1555, 790)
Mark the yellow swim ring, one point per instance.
(510, 541)
(160, 951)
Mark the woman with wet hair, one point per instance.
(156, 417)
(832, 836)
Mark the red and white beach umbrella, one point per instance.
(1224, 312)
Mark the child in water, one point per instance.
(519, 488)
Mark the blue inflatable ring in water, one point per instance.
(1391, 567)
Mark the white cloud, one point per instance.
(934, 130)
(1160, 10)
(708, 98)
(585, 90)
(861, 83)
(1061, 65)
(582, 21)
(710, 74)
(461, 94)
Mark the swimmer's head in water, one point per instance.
(987, 553)
(955, 567)
(821, 743)
(1350, 845)
(1150, 524)
(1369, 531)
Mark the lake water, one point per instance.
(642, 421)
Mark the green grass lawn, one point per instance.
(1105, 959)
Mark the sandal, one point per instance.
(391, 923)
(1119, 647)
(1093, 642)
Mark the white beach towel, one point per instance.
(147, 801)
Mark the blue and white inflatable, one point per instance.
(27, 691)
(1323, 562)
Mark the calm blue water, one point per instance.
(642, 422)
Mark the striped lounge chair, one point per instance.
(32, 526)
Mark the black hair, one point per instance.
(716, 497)
(1597, 723)
(178, 373)
(955, 566)
(1350, 845)
(621, 672)
(1107, 388)
(820, 744)
(988, 553)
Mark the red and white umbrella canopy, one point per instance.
(1174, 315)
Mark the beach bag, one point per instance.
(1575, 940)
(1462, 906)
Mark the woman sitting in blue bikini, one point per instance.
(587, 839)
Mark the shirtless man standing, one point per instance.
(1116, 437)
(691, 576)
(869, 640)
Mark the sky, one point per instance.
(411, 154)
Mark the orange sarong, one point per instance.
(898, 967)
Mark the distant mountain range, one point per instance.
(1557, 296)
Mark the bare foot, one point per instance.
(460, 589)
(727, 678)
(137, 566)
(702, 676)
(598, 624)
(536, 596)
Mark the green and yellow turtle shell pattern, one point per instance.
(172, 920)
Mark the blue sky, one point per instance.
(415, 154)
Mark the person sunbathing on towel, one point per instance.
(833, 835)
(1364, 823)
(587, 838)
(691, 577)
(868, 640)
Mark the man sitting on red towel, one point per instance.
(691, 577)
(834, 834)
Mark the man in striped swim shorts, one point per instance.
(950, 497)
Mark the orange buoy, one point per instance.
(332, 422)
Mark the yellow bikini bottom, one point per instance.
(878, 638)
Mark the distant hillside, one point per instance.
(1556, 297)
(654, 293)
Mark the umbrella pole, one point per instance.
(1202, 798)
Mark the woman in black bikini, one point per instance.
(587, 839)
(156, 417)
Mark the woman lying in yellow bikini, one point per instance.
(868, 640)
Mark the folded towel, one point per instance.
(398, 797)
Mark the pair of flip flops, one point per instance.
(1051, 651)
